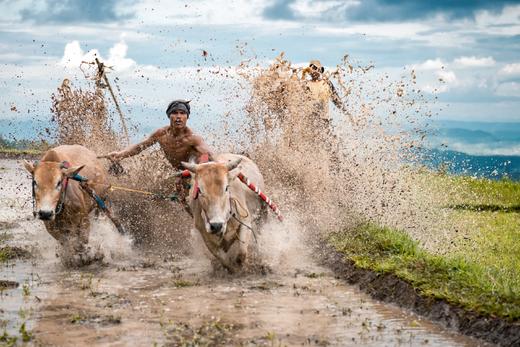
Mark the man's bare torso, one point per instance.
(177, 147)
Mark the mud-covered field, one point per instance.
(139, 297)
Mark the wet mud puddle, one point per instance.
(141, 299)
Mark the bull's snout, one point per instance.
(45, 215)
(216, 227)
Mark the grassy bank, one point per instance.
(481, 274)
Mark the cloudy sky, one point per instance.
(473, 47)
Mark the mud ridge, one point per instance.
(390, 288)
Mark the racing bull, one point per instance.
(226, 211)
(63, 203)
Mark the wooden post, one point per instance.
(102, 75)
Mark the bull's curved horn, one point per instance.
(233, 164)
(190, 166)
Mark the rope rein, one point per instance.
(184, 174)
(187, 174)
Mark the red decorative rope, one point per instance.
(261, 194)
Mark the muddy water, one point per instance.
(139, 298)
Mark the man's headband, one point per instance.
(181, 105)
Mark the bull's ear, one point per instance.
(233, 164)
(190, 166)
(28, 166)
(71, 171)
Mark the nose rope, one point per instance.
(61, 202)
(237, 204)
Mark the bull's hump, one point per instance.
(51, 155)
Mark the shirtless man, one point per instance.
(177, 141)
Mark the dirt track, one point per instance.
(141, 298)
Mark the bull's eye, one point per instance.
(227, 188)
(58, 185)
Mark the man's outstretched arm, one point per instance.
(136, 148)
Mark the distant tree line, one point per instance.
(24, 144)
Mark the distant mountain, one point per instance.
(491, 127)
(476, 138)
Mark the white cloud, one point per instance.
(435, 89)
(433, 77)
(473, 61)
(117, 57)
(430, 64)
(447, 76)
(452, 37)
(73, 56)
(505, 23)
(510, 70)
(203, 12)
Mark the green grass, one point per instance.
(182, 283)
(4, 256)
(463, 190)
(481, 274)
(14, 151)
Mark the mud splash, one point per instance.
(82, 117)
(330, 165)
(146, 298)
(349, 162)
(326, 174)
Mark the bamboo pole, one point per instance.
(102, 74)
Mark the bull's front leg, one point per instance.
(90, 253)
(225, 260)
(213, 245)
(244, 237)
(77, 251)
